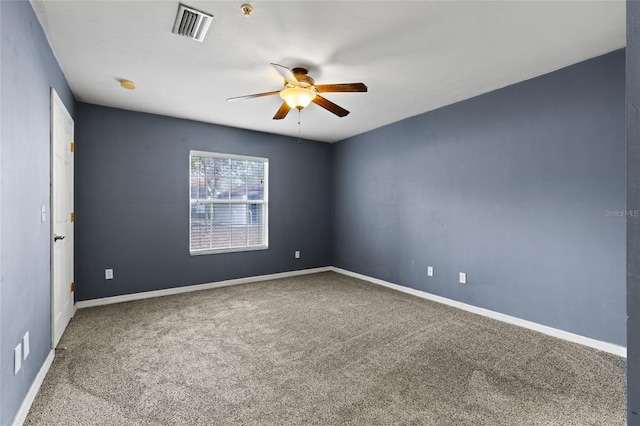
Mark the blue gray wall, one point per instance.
(633, 222)
(522, 188)
(29, 69)
(132, 202)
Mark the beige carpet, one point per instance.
(321, 349)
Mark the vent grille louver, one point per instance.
(192, 23)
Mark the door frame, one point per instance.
(56, 102)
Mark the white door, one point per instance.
(62, 305)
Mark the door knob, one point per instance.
(57, 237)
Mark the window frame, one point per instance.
(264, 203)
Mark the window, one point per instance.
(229, 195)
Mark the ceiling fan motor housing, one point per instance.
(301, 75)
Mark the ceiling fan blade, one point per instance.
(345, 87)
(255, 95)
(286, 73)
(330, 106)
(282, 112)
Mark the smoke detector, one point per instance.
(192, 23)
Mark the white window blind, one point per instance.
(228, 202)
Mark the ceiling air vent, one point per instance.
(192, 23)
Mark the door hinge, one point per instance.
(73, 217)
(73, 146)
(73, 286)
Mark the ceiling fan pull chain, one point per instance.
(299, 112)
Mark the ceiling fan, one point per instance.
(300, 90)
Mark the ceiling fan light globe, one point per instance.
(297, 97)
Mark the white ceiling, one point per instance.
(415, 56)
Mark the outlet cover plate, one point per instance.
(430, 271)
(25, 346)
(463, 277)
(108, 274)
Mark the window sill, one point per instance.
(228, 250)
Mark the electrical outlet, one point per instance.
(463, 277)
(297, 254)
(17, 359)
(43, 213)
(108, 274)
(430, 271)
(25, 345)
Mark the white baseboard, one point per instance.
(550, 331)
(21, 415)
(186, 289)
